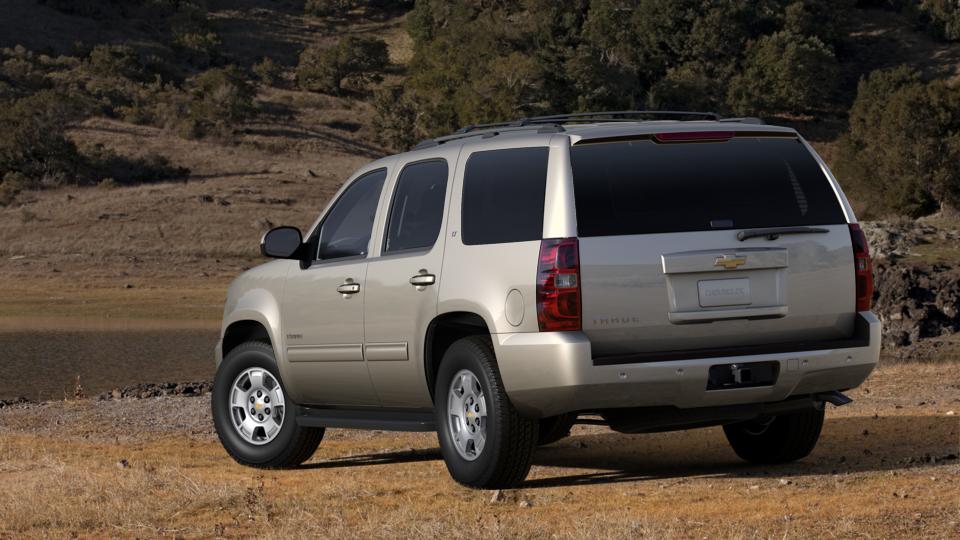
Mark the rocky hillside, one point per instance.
(917, 287)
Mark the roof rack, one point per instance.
(554, 123)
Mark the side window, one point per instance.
(417, 207)
(503, 193)
(345, 231)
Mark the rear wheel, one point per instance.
(255, 420)
(484, 441)
(778, 439)
(554, 428)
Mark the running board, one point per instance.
(367, 419)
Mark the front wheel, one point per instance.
(255, 420)
(484, 441)
(779, 439)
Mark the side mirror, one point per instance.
(282, 243)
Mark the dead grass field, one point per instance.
(886, 467)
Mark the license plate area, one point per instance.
(724, 292)
(742, 375)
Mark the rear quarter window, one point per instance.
(643, 187)
(503, 192)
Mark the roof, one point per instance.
(587, 126)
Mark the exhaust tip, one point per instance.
(836, 398)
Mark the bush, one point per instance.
(784, 72)
(325, 8)
(903, 145)
(213, 103)
(267, 71)
(396, 120)
(195, 37)
(33, 143)
(107, 60)
(358, 59)
(944, 18)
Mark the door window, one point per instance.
(417, 208)
(345, 232)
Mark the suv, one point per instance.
(657, 271)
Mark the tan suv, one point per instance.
(655, 270)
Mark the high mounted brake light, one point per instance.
(558, 285)
(687, 136)
(862, 267)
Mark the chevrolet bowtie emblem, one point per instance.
(729, 262)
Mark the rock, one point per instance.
(525, 504)
(152, 390)
(205, 198)
(123, 464)
(128, 286)
(497, 496)
(21, 401)
(950, 413)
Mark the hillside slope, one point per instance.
(281, 167)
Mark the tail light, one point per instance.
(863, 267)
(558, 285)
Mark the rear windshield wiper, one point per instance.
(773, 234)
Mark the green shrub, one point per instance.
(396, 120)
(784, 72)
(901, 152)
(358, 59)
(33, 141)
(943, 18)
(107, 60)
(267, 71)
(211, 104)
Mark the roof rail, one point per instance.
(745, 120)
(556, 121)
(618, 116)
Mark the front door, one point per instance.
(322, 307)
(402, 284)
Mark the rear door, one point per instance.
(663, 268)
(402, 283)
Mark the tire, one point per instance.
(554, 428)
(785, 438)
(504, 457)
(286, 447)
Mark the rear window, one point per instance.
(643, 187)
(503, 193)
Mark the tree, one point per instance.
(784, 72)
(902, 149)
(324, 69)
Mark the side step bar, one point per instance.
(367, 419)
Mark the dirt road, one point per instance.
(886, 467)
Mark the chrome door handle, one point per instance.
(349, 288)
(423, 279)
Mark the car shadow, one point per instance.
(386, 458)
(847, 445)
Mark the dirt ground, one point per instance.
(886, 467)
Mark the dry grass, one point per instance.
(877, 473)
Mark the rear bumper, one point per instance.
(550, 373)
